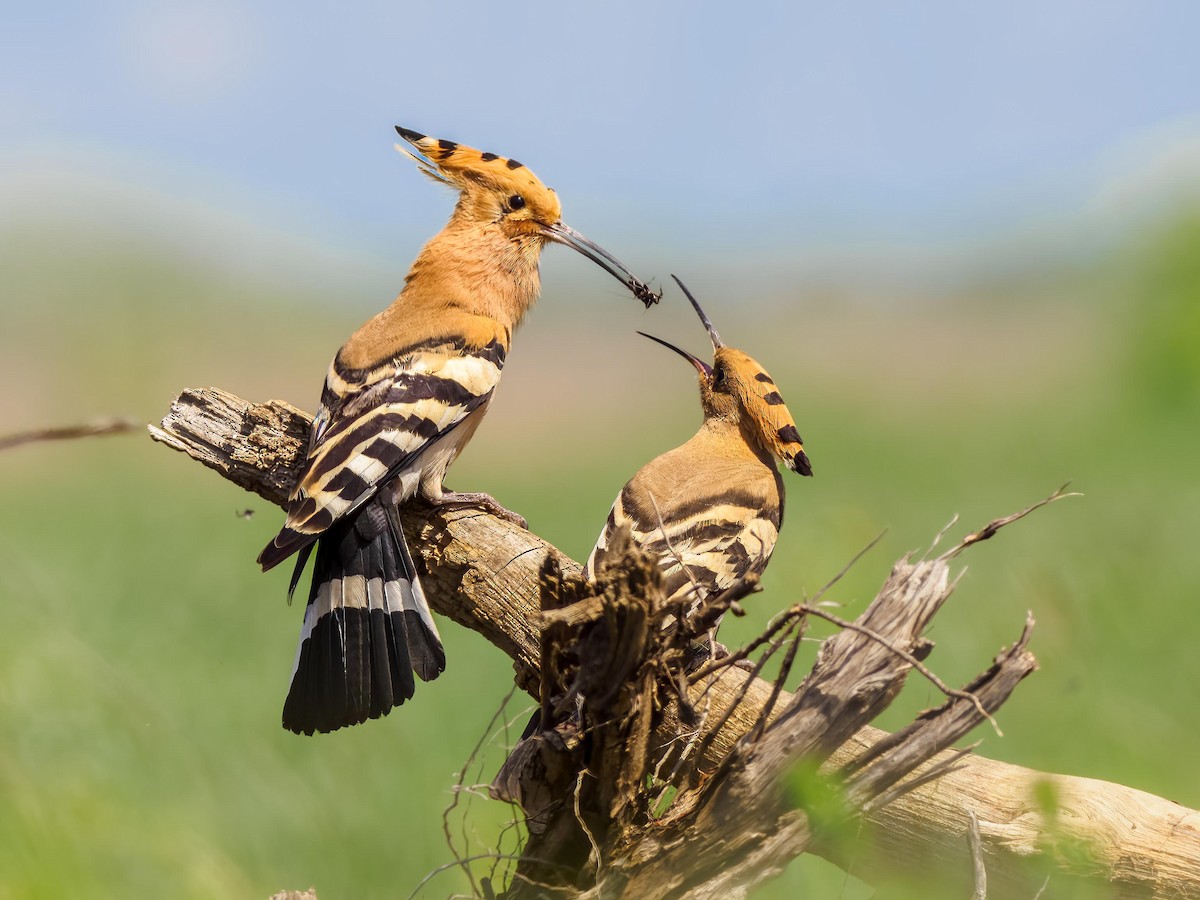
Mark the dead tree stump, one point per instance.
(646, 779)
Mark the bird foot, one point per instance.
(702, 652)
(720, 651)
(482, 501)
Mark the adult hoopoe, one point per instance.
(402, 398)
(711, 509)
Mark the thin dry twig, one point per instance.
(797, 632)
(459, 788)
(782, 620)
(512, 825)
(777, 624)
(97, 428)
(847, 567)
(710, 609)
(445, 867)
(989, 530)
(908, 658)
(662, 527)
(579, 818)
(693, 738)
(937, 538)
(748, 683)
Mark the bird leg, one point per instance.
(700, 652)
(480, 500)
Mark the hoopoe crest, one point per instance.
(736, 388)
(712, 507)
(402, 398)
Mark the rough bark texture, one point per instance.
(730, 826)
(485, 574)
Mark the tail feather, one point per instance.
(298, 570)
(366, 629)
(387, 678)
(424, 643)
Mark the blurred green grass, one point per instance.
(143, 658)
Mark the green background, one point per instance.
(143, 658)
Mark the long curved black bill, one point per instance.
(702, 367)
(564, 234)
(712, 332)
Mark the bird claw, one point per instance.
(483, 501)
(702, 652)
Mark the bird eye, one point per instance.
(718, 376)
(516, 201)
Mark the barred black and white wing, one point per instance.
(367, 626)
(704, 544)
(710, 521)
(375, 424)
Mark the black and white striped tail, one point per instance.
(367, 628)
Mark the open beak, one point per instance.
(564, 234)
(712, 332)
(702, 367)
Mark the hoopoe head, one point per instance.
(497, 192)
(736, 389)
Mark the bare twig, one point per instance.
(582, 823)
(446, 867)
(782, 619)
(662, 527)
(712, 608)
(989, 530)
(777, 624)
(785, 670)
(908, 658)
(459, 788)
(847, 567)
(748, 683)
(937, 538)
(112, 425)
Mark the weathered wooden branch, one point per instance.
(484, 573)
(621, 667)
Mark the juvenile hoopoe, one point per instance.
(402, 398)
(711, 509)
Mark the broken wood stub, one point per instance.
(633, 815)
(601, 698)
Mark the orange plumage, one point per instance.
(402, 398)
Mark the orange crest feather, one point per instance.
(765, 409)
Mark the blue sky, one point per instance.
(723, 124)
